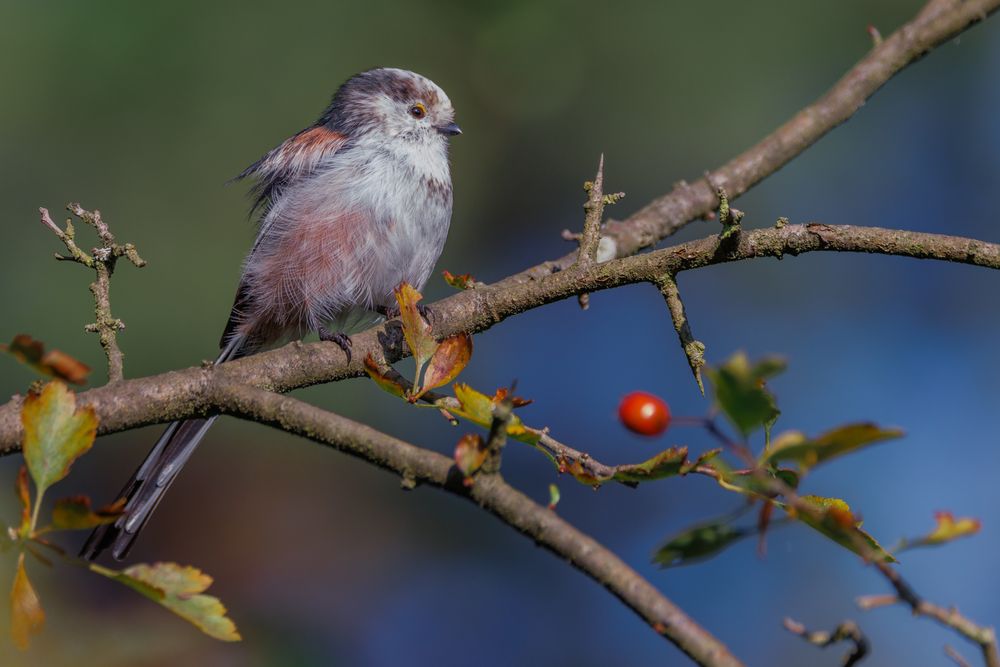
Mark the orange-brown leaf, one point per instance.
(451, 356)
(76, 513)
(26, 614)
(24, 495)
(461, 281)
(470, 453)
(388, 379)
(53, 363)
(416, 330)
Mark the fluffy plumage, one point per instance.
(350, 207)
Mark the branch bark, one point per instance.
(185, 393)
(490, 491)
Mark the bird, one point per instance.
(348, 209)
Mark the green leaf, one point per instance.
(56, 433)
(27, 617)
(478, 408)
(450, 357)
(76, 514)
(554, 496)
(179, 589)
(740, 393)
(667, 463)
(794, 446)
(837, 522)
(699, 542)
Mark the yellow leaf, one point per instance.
(179, 589)
(27, 617)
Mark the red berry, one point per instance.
(644, 413)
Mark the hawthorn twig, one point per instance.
(984, 636)
(102, 260)
(490, 492)
(180, 394)
(848, 630)
(694, 350)
(956, 656)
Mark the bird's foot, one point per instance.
(391, 312)
(340, 338)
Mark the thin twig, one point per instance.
(956, 656)
(102, 260)
(492, 493)
(591, 236)
(694, 350)
(848, 630)
(984, 636)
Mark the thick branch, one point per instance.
(178, 394)
(492, 493)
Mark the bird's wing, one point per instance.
(296, 158)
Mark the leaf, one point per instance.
(450, 357)
(416, 329)
(554, 496)
(56, 433)
(837, 522)
(388, 380)
(698, 543)
(581, 474)
(462, 281)
(27, 617)
(947, 529)
(794, 446)
(740, 393)
(179, 589)
(702, 459)
(24, 495)
(53, 363)
(470, 454)
(667, 463)
(75, 513)
(478, 408)
(503, 394)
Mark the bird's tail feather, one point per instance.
(150, 482)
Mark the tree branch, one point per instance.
(985, 637)
(102, 260)
(180, 394)
(492, 493)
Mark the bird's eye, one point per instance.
(418, 110)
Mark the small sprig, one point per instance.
(728, 216)
(102, 260)
(848, 630)
(694, 350)
(590, 239)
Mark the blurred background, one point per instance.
(144, 110)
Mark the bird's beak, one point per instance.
(451, 129)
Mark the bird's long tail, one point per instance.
(143, 492)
